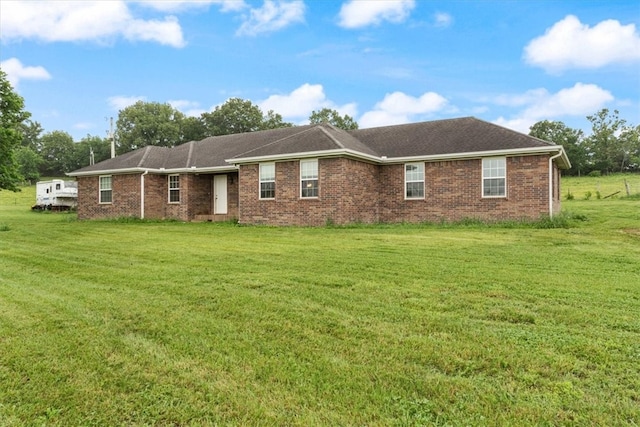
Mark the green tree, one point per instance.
(29, 162)
(31, 135)
(630, 143)
(234, 116)
(57, 153)
(80, 155)
(273, 120)
(571, 139)
(148, 123)
(239, 116)
(193, 129)
(327, 115)
(12, 115)
(606, 149)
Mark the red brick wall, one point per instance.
(347, 193)
(352, 191)
(453, 191)
(195, 197)
(125, 197)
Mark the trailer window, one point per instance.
(57, 186)
(105, 189)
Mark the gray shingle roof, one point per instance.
(440, 137)
(452, 136)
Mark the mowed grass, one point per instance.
(166, 323)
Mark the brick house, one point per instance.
(316, 174)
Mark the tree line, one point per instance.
(612, 146)
(27, 152)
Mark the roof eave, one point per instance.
(304, 155)
(479, 154)
(125, 171)
(563, 160)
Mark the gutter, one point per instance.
(193, 169)
(551, 182)
(142, 194)
(391, 160)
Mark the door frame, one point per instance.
(220, 195)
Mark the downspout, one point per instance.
(551, 182)
(142, 193)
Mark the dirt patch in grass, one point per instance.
(632, 231)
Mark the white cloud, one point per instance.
(181, 5)
(579, 100)
(272, 16)
(443, 20)
(98, 21)
(121, 102)
(362, 13)
(16, 72)
(189, 108)
(398, 108)
(301, 102)
(571, 44)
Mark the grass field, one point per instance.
(166, 323)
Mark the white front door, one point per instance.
(220, 194)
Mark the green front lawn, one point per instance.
(167, 323)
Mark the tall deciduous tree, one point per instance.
(30, 163)
(81, 153)
(31, 135)
(239, 116)
(273, 120)
(605, 147)
(12, 115)
(630, 144)
(234, 116)
(57, 153)
(327, 115)
(148, 123)
(571, 139)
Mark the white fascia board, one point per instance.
(475, 154)
(304, 155)
(408, 159)
(230, 168)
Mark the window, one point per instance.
(105, 189)
(414, 180)
(174, 188)
(494, 177)
(268, 181)
(309, 178)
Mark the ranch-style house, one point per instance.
(444, 170)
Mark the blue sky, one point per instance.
(383, 62)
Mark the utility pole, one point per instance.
(112, 139)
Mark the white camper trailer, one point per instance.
(56, 194)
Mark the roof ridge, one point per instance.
(334, 139)
(191, 144)
(277, 141)
(144, 155)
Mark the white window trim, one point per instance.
(424, 192)
(261, 180)
(501, 196)
(100, 189)
(317, 178)
(169, 189)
